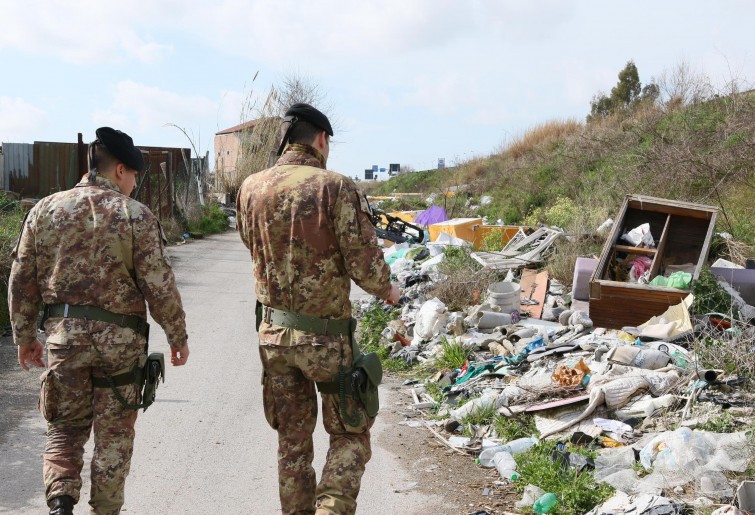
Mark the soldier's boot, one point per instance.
(61, 505)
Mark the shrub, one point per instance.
(11, 216)
(212, 220)
(464, 279)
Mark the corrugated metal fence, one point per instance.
(39, 169)
(36, 170)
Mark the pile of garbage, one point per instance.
(640, 395)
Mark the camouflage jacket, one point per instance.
(92, 245)
(309, 233)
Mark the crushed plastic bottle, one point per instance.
(513, 447)
(506, 465)
(545, 503)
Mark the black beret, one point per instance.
(307, 113)
(121, 146)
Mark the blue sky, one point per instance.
(409, 81)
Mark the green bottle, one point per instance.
(545, 503)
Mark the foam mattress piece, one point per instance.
(583, 269)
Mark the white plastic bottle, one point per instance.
(521, 445)
(513, 447)
(488, 399)
(506, 465)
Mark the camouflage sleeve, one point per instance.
(156, 281)
(358, 243)
(241, 222)
(24, 296)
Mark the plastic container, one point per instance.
(505, 295)
(545, 503)
(487, 455)
(506, 465)
(491, 320)
(521, 445)
(513, 447)
(486, 400)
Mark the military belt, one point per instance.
(134, 322)
(133, 376)
(306, 323)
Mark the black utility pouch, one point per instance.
(154, 372)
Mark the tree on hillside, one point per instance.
(626, 94)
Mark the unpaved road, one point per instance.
(205, 447)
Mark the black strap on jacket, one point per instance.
(134, 322)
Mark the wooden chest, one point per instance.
(682, 232)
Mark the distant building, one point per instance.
(228, 144)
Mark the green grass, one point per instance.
(515, 427)
(479, 417)
(723, 423)
(371, 324)
(434, 390)
(576, 493)
(454, 355)
(395, 364)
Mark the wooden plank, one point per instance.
(557, 403)
(635, 250)
(631, 305)
(706, 246)
(533, 285)
(673, 207)
(656, 265)
(613, 237)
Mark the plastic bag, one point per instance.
(679, 280)
(431, 319)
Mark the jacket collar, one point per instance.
(102, 182)
(299, 154)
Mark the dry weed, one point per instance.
(536, 136)
(730, 350)
(463, 287)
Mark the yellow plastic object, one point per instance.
(463, 228)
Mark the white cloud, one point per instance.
(445, 94)
(146, 108)
(19, 120)
(315, 33)
(83, 32)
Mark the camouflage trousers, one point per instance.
(73, 407)
(290, 402)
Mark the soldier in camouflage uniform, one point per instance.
(94, 250)
(309, 233)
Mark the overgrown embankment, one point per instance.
(575, 174)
